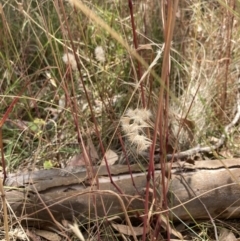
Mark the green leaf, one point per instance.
(47, 165)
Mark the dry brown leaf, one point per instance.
(111, 157)
(226, 154)
(77, 160)
(50, 78)
(226, 235)
(32, 235)
(48, 235)
(145, 46)
(75, 229)
(189, 126)
(61, 102)
(173, 231)
(124, 229)
(92, 150)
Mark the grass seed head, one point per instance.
(133, 125)
(70, 60)
(100, 54)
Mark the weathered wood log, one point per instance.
(212, 185)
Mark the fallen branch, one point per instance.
(70, 196)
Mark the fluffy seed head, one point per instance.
(70, 60)
(133, 124)
(100, 54)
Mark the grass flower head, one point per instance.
(100, 54)
(70, 60)
(134, 123)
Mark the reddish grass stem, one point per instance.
(135, 42)
(161, 118)
(89, 104)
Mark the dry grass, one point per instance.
(84, 78)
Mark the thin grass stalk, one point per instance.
(59, 225)
(83, 84)
(2, 121)
(230, 20)
(135, 42)
(162, 115)
(164, 98)
(4, 207)
(127, 161)
(160, 121)
(7, 32)
(5, 116)
(89, 14)
(2, 156)
(80, 140)
(87, 160)
(98, 21)
(122, 145)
